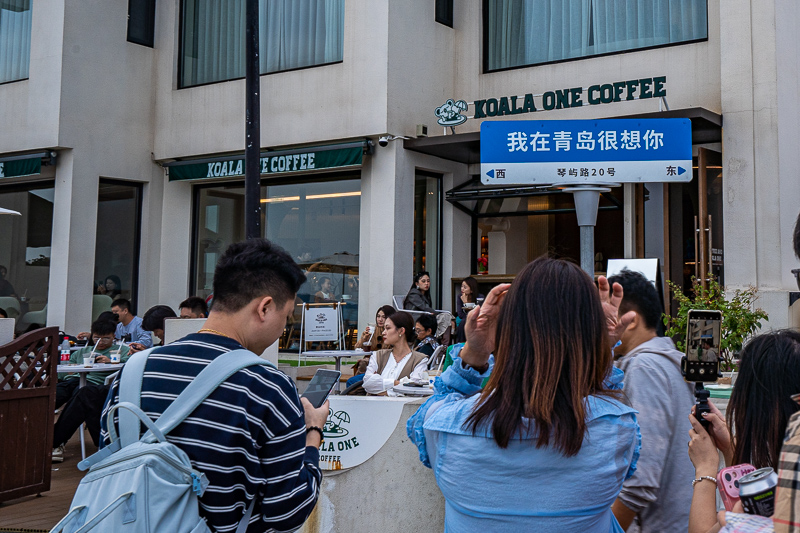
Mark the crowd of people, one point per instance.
(119, 331)
(564, 408)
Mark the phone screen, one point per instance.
(320, 386)
(702, 345)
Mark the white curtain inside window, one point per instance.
(15, 39)
(524, 32)
(293, 34)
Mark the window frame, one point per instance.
(179, 83)
(151, 21)
(447, 7)
(29, 62)
(137, 239)
(263, 182)
(485, 45)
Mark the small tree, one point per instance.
(740, 318)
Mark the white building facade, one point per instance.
(122, 143)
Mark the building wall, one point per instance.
(29, 109)
(319, 104)
(760, 136)
(105, 130)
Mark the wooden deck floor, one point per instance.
(43, 512)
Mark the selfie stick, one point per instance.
(701, 394)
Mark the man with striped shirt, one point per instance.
(250, 436)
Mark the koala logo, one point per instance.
(450, 113)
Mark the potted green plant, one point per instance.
(740, 317)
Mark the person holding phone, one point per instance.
(254, 438)
(758, 414)
(546, 445)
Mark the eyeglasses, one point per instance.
(96, 338)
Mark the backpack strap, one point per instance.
(130, 391)
(211, 377)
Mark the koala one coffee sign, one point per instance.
(357, 428)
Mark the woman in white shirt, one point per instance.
(387, 367)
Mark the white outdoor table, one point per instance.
(338, 355)
(413, 391)
(82, 371)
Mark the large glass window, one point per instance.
(25, 253)
(116, 257)
(316, 222)
(15, 39)
(293, 34)
(427, 230)
(529, 32)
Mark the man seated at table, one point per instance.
(102, 334)
(193, 307)
(130, 324)
(153, 321)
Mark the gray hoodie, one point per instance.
(660, 491)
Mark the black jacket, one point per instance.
(416, 301)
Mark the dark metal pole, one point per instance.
(252, 131)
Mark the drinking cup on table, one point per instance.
(432, 377)
(88, 362)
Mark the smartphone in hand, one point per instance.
(320, 386)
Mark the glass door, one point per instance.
(116, 259)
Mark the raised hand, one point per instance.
(480, 327)
(611, 298)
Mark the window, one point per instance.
(427, 230)
(116, 253)
(444, 12)
(142, 22)
(15, 39)
(528, 32)
(316, 222)
(25, 252)
(293, 34)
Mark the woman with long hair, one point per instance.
(374, 339)
(546, 445)
(419, 295)
(469, 295)
(386, 367)
(758, 413)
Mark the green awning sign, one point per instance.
(20, 167)
(280, 163)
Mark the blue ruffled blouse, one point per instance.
(521, 487)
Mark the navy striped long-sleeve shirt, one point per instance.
(248, 436)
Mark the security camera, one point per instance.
(386, 139)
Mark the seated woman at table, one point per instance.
(386, 367)
(374, 340)
(419, 295)
(469, 296)
(325, 292)
(425, 327)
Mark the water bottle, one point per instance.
(65, 352)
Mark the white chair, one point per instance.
(100, 304)
(38, 318)
(443, 318)
(437, 358)
(11, 305)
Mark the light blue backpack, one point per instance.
(148, 485)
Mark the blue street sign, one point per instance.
(544, 152)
